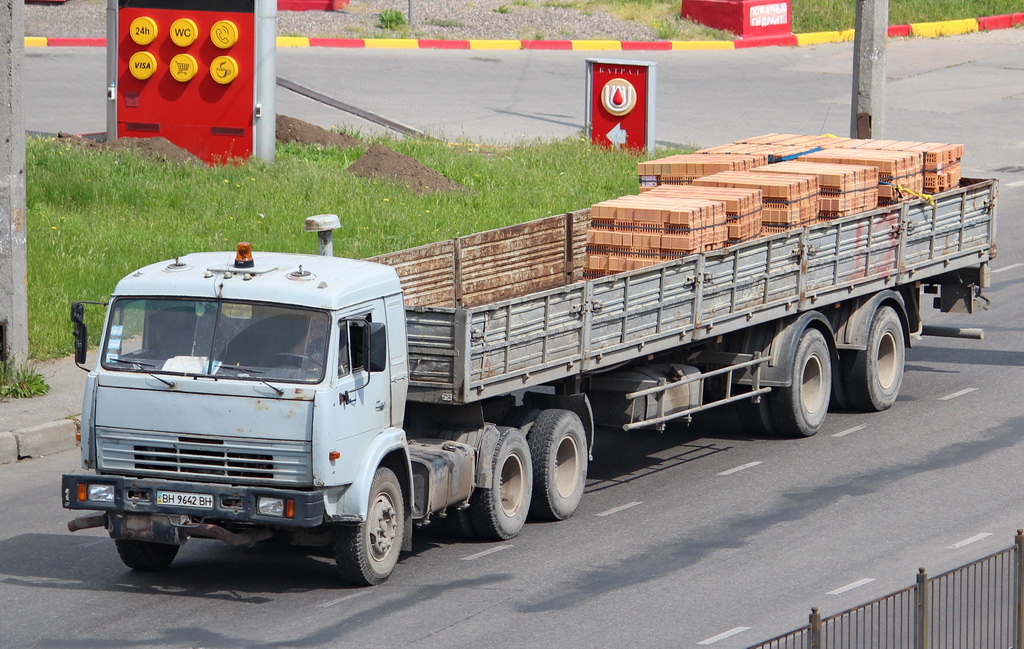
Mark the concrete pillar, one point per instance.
(13, 228)
(867, 110)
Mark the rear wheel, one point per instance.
(366, 554)
(799, 409)
(145, 555)
(499, 511)
(876, 373)
(558, 447)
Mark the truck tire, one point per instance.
(799, 409)
(558, 447)
(367, 553)
(499, 511)
(521, 417)
(875, 374)
(145, 555)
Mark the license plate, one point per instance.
(178, 499)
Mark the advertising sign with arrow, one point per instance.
(620, 104)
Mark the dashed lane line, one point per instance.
(739, 468)
(961, 393)
(973, 539)
(345, 598)
(1006, 268)
(849, 587)
(615, 510)
(486, 552)
(722, 636)
(844, 433)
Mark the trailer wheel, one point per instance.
(367, 553)
(876, 373)
(499, 511)
(145, 555)
(558, 447)
(799, 409)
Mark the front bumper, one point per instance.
(230, 504)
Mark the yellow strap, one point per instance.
(921, 195)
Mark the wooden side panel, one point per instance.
(427, 273)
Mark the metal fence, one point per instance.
(977, 606)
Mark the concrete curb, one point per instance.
(36, 441)
(927, 30)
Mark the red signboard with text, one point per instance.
(620, 104)
(185, 71)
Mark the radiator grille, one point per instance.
(232, 460)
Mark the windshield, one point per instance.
(242, 340)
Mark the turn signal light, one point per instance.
(334, 455)
(243, 255)
(289, 508)
(83, 495)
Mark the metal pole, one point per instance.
(264, 130)
(111, 69)
(1018, 592)
(13, 229)
(814, 633)
(867, 109)
(921, 611)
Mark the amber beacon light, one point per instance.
(243, 255)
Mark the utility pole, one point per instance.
(13, 229)
(867, 110)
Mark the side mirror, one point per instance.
(81, 331)
(377, 347)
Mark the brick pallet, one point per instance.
(790, 200)
(903, 168)
(792, 139)
(638, 231)
(772, 151)
(685, 168)
(743, 207)
(941, 161)
(844, 189)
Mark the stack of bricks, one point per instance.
(806, 142)
(743, 207)
(941, 161)
(634, 232)
(683, 169)
(790, 200)
(844, 189)
(903, 168)
(773, 152)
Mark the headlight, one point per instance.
(270, 506)
(101, 493)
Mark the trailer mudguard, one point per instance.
(853, 318)
(349, 504)
(778, 371)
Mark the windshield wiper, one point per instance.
(254, 372)
(139, 365)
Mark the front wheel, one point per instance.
(799, 409)
(145, 555)
(498, 511)
(366, 554)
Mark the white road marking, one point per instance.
(486, 552)
(345, 598)
(89, 545)
(846, 432)
(1006, 268)
(739, 468)
(615, 510)
(722, 636)
(847, 587)
(957, 394)
(1015, 184)
(973, 539)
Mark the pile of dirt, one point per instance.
(381, 162)
(157, 148)
(290, 129)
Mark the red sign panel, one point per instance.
(185, 71)
(618, 104)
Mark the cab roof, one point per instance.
(304, 280)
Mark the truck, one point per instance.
(244, 396)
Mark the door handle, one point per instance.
(380, 406)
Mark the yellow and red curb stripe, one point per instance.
(928, 30)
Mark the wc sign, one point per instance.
(620, 104)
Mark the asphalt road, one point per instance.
(673, 546)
